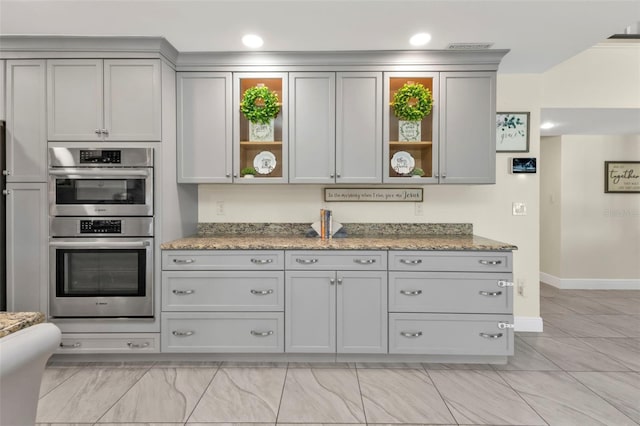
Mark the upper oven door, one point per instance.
(101, 192)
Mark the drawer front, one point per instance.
(444, 292)
(223, 332)
(336, 260)
(203, 260)
(450, 261)
(223, 291)
(445, 334)
(101, 343)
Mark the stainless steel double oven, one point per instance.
(101, 226)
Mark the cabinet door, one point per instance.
(27, 234)
(310, 311)
(132, 100)
(204, 127)
(467, 127)
(359, 127)
(410, 145)
(312, 136)
(26, 136)
(74, 100)
(362, 312)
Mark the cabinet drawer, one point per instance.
(222, 291)
(194, 260)
(445, 334)
(445, 292)
(337, 260)
(101, 343)
(450, 261)
(223, 332)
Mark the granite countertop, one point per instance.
(10, 322)
(356, 242)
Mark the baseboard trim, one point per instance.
(529, 324)
(589, 284)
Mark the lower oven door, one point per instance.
(101, 277)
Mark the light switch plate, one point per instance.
(519, 209)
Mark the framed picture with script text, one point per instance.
(622, 177)
(512, 132)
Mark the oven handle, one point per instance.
(118, 244)
(101, 173)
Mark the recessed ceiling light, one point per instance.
(253, 41)
(420, 39)
(547, 125)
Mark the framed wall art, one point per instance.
(512, 132)
(622, 177)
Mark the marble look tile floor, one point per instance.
(584, 369)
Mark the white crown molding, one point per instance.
(590, 283)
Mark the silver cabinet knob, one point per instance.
(491, 336)
(104, 132)
(70, 345)
(437, 175)
(183, 261)
(332, 281)
(411, 262)
(411, 334)
(331, 175)
(338, 175)
(228, 175)
(306, 261)
(339, 281)
(138, 345)
(364, 261)
(261, 333)
(261, 261)
(98, 131)
(503, 283)
(235, 175)
(444, 175)
(6, 192)
(489, 262)
(6, 173)
(490, 293)
(411, 292)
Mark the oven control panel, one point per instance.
(100, 226)
(100, 156)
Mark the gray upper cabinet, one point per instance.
(26, 136)
(467, 127)
(359, 127)
(312, 127)
(110, 100)
(204, 127)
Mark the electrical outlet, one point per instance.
(220, 208)
(520, 284)
(419, 209)
(519, 209)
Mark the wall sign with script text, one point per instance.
(373, 194)
(622, 176)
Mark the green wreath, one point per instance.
(412, 102)
(259, 104)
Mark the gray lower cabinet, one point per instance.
(222, 301)
(27, 234)
(343, 311)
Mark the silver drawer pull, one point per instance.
(70, 346)
(503, 283)
(411, 334)
(183, 292)
(502, 325)
(490, 293)
(261, 292)
(489, 262)
(138, 345)
(261, 261)
(261, 333)
(411, 292)
(364, 261)
(491, 336)
(182, 333)
(411, 262)
(306, 261)
(183, 261)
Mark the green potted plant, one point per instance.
(260, 106)
(417, 172)
(411, 103)
(248, 172)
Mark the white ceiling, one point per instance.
(539, 33)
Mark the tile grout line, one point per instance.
(522, 398)
(364, 410)
(424, 367)
(125, 392)
(58, 385)
(215, 373)
(539, 353)
(284, 384)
